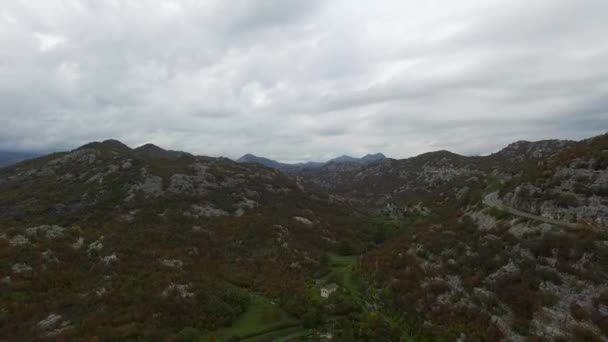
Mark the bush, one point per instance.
(188, 334)
(311, 319)
(580, 333)
(601, 163)
(345, 248)
(566, 200)
(498, 214)
(602, 323)
(520, 293)
(578, 312)
(548, 299)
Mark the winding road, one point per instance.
(492, 200)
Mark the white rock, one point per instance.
(78, 244)
(247, 203)
(207, 211)
(95, 246)
(303, 220)
(181, 290)
(50, 231)
(100, 291)
(54, 322)
(49, 322)
(21, 267)
(108, 259)
(18, 240)
(172, 263)
(49, 256)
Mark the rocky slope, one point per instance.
(570, 186)
(123, 243)
(495, 273)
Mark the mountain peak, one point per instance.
(367, 159)
(153, 151)
(246, 157)
(370, 158)
(149, 147)
(111, 144)
(250, 158)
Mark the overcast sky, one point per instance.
(302, 79)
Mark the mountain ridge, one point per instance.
(367, 159)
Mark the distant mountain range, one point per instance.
(368, 159)
(11, 157)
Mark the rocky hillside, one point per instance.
(147, 244)
(528, 261)
(440, 174)
(117, 242)
(570, 186)
(510, 246)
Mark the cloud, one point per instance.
(302, 80)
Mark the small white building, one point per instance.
(328, 289)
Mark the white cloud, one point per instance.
(48, 41)
(302, 79)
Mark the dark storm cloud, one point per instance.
(302, 80)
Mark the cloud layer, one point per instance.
(302, 79)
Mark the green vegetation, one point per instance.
(262, 321)
(342, 271)
(498, 214)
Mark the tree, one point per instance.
(188, 334)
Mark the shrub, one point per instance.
(601, 163)
(311, 318)
(548, 299)
(520, 293)
(188, 334)
(580, 333)
(345, 248)
(566, 200)
(602, 323)
(498, 214)
(578, 312)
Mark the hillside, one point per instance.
(124, 244)
(531, 260)
(109, 241)
(299, 167)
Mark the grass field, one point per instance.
(343, 267)
(263, 321)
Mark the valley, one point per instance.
(113, 243)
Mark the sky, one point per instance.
(302, 80)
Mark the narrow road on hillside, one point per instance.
(492, 200)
